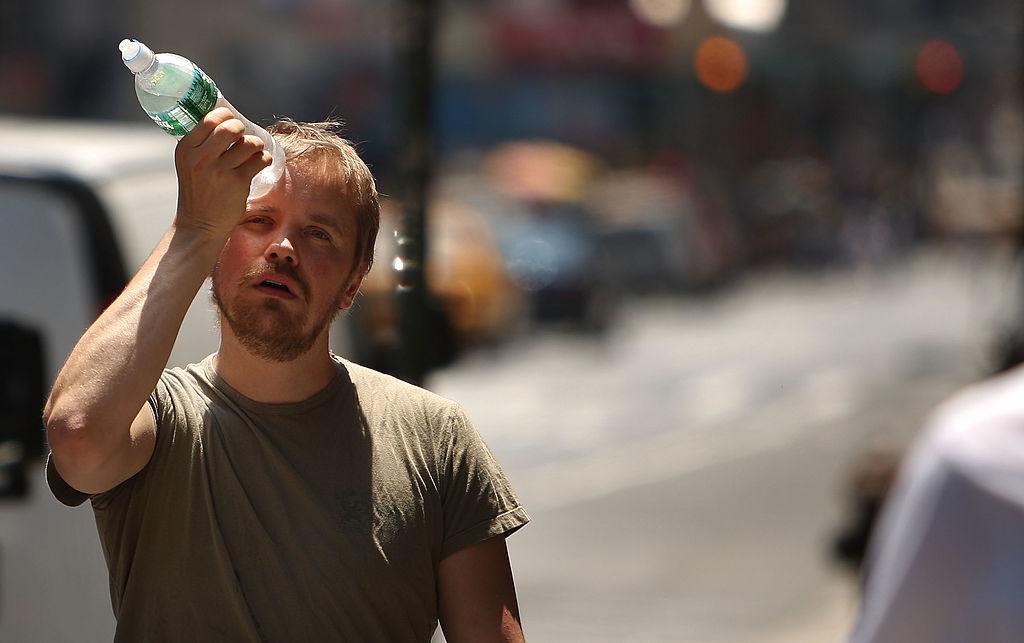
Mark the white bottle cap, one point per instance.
(135, 55)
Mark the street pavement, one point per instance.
(685, 472)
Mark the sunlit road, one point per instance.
(685, 473)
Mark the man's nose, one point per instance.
(282, 250)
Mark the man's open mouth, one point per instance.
(271, 286)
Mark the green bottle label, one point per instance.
(197, 102)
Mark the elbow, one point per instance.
(75, 448)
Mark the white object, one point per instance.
(176, 94)
(946, 562)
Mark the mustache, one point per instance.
(262, 267)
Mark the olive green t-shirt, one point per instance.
(322, 520)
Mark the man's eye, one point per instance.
(319, 234)
(257, 219)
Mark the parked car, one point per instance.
(660, 234)
(548, 234)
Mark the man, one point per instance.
(275, 491)
(946, 563)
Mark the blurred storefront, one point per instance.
(801, 133)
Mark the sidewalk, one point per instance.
(829, 623)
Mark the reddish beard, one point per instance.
(268, 328)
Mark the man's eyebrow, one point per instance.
(322, 219)
(325, 220)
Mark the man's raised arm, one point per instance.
(99, 427)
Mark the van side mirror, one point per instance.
(22, 382)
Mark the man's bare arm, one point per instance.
(99, 427)
(477, 596)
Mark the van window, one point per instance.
(48, 272)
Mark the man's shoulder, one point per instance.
(188, 385)
(366, 376)
(380, 389)
(199, 372)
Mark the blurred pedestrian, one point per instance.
(946, 563)
(275, 491)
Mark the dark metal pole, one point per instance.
(415, 30)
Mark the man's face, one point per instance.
(287, 269)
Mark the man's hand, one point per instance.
(215, 163)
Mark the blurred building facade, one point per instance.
(823, 139)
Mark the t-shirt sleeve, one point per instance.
(160, 403)
(61, 490)
(478, 500)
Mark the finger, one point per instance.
(241, 151)
(255, 163)
(221, 138)
(205, 127)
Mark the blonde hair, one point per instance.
(319, 149)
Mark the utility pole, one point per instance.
(415, 34)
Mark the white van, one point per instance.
(81, 207)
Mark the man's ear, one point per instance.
(349, 295)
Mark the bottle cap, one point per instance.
(135, 55)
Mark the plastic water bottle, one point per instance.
(176, 94)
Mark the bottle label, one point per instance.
(200, 98)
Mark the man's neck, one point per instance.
(275, 382)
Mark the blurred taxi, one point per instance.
(509, 241)
(473, 299)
